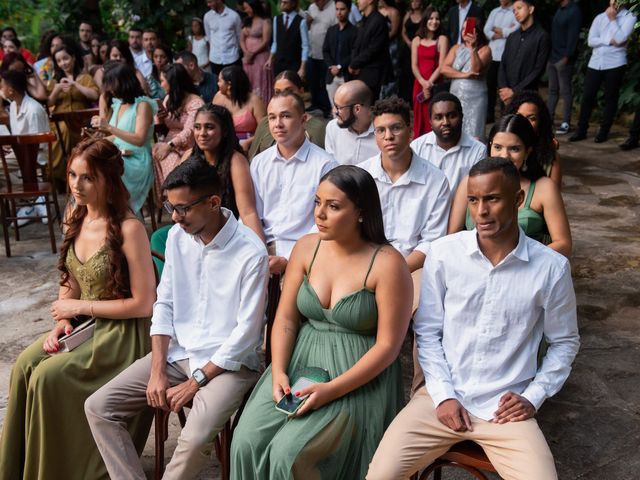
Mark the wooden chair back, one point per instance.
(26, 148)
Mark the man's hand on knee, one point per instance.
(180, 395)
(157, 391)
(513, 408)
(452, 414)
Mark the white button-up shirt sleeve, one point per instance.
(561, 333)
(438, 219)
(241, 340)
(304, 37)
(606, 56)
(162, 320)
(274, 43)
(428, 327)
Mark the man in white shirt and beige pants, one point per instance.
(488, 298)
(206, 331)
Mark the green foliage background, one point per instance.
(172, 18)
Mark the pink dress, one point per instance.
(428, 59)
(245, 124)
(260, 78)
(181, 135)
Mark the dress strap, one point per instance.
(527, 201)
(371, 264)
(315, 252)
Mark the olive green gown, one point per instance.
(45, 433)
(337, 441)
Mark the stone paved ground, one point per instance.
(592, 425)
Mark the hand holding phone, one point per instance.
(469, 26)
(290, 404)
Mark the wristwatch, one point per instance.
(200, 378)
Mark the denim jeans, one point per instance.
(559, 76)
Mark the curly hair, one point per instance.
(226, 148)
(545, 146)
(104, 160)
(394, 105)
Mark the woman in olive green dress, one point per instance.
(106, 272)
(345, 308)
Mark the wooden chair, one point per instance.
(26, 149)
(223, 440)
(465, 455)
(75, 120)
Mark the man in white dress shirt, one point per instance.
(349, 137)
(447, 147)
(414, 194)
(222, 27)
(489, 296)
(206, 331)
(285, 177)
(500, 24)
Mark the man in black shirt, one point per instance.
(337, 47)
(525, 53)
(370, 56)
(456, 17)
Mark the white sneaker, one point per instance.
(42, 211)
(563, 129)
(25, 212)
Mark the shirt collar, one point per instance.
(416, 172)
(521, 251)
(465, 141)
(366, 133)
(225, 234)
(301, 155)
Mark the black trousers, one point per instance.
(492, 91)
(612, 79)
(216, 68)
(316, 74)
(634, 131)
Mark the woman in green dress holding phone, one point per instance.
(345, 308)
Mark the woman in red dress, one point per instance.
(428, 50)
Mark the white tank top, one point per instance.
(200, 48)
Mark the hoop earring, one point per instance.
(360, 220)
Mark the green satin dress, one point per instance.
(531, 222)
(338, 440)
(45, 433)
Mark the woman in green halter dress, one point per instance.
(107, 271)
(345, 308)
(541, 215)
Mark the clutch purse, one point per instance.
(80, 334)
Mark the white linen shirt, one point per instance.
(478, 327)
(211, 298)
(415, 208)
(455, 162)
(347, 146)
(501, 17)
(223, 33)
(31, 118)
(605, 56)
(285, 192)
(143, 63)
(322, 20)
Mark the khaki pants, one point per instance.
(418, 374)
(333, 86)
(123, 397)
(416, 438)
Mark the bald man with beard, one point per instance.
(349, 137)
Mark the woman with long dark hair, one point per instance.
(530, 105)
(234, 93)
(345, 307)
(49, 43)
(542, 215)
(131, 125)
(162, 57)
(106, 273)
(428, 50)
(178, 113)
(35, 86)
(255, 40)
(466, 65)
(71, 89)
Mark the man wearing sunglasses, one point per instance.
(205, 334)
(349, 137)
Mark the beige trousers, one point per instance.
(416, 438)
(418, 374)
(123, 397)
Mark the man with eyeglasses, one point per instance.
(349, 137)
(285, 177)
(206, 330)
(414, 194)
